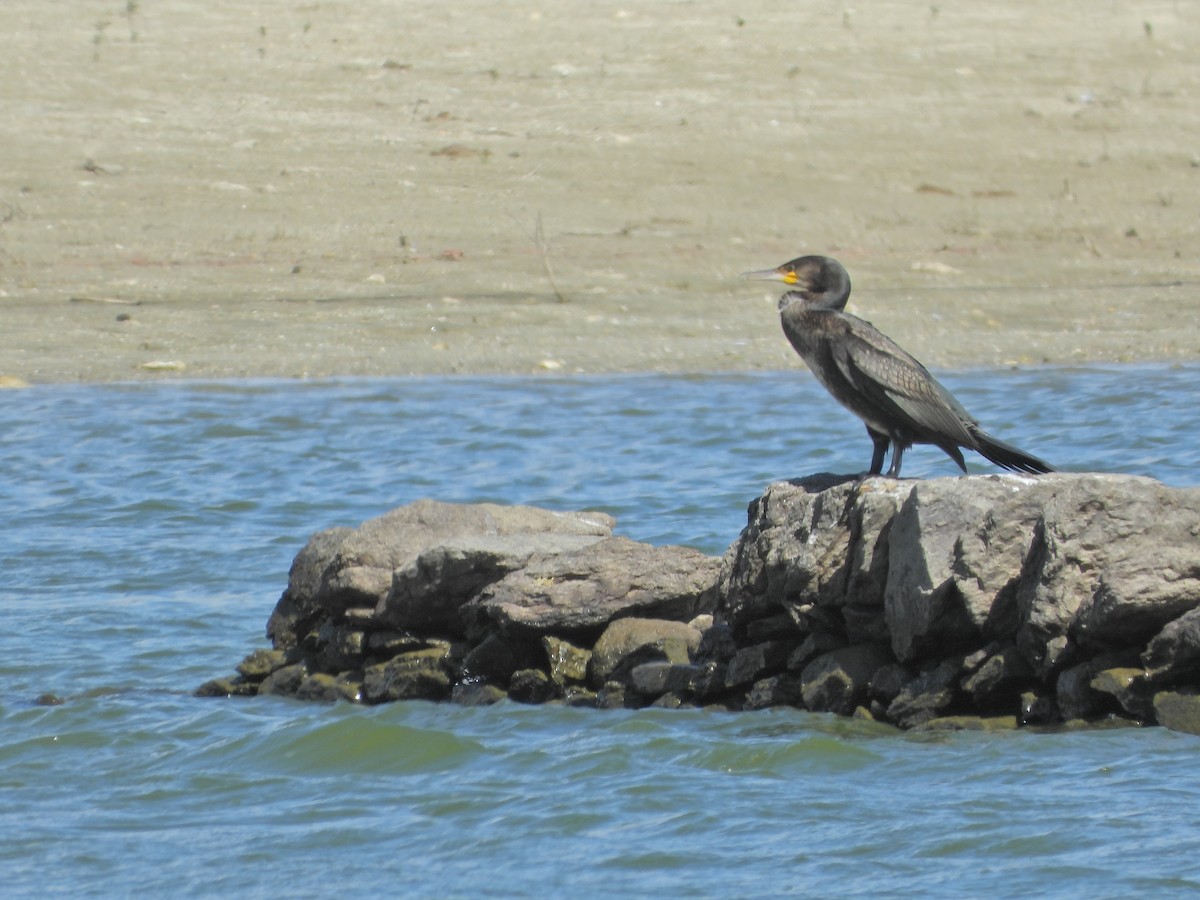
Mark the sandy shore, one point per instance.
(306, 189)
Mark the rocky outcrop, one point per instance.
(959, 602)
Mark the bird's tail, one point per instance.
(1008, 456)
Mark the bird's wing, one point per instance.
(880, 370)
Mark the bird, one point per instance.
(872, 376)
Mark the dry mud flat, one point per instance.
(319, 188)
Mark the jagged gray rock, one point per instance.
(1061, 562)
(453, 546)
(942, 603)
(1175, 651)
(577, 594)
(837, 681)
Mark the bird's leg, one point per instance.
(897, 454)
(881, 442)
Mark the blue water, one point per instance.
(147, 533)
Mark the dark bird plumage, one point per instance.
(869, 374)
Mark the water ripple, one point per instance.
(149, 529)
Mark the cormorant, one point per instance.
(870, 375)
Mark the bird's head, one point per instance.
(820, 282)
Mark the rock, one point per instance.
(930, 695)
(568, 663)
(494, 660)
(217, 687)
(611, 696)
(343, 568)
(969, 723)
(794, 546)
(476, 693)
(577, 594)
(284, 681)
(696, 681)
(776, 627)
(811, 647)
(888, 681)
(838, 681)
(261, 663)
(629, 642)
(717, 643)
(1178, 710)
(327, 688)
(1074, 694)
(650, 679)
(1174, 653)
(530, 686)
(1114, 560)
(1130, 688)
(1039, 709)
(390, 642)
(997, 683)
(302, 601)
(573, 695)
(778, 690)
(1065, 596)
(417, 675)
(954, 563)
(341, 647)
(755, 662)
(427, 593)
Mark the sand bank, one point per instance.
(330, 188)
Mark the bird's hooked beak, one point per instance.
(784, 273)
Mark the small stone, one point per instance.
(755, 662)
(611, 696)
(888, 681)
(969, 723)
(342, 647)
(493, 660)
(838, 681)
(327, 688)
(997, 681)
(568, 663)
(717, 643)
(227, 687)
(1130, 688)
(772, 628)
(579, 696)
(284, 681)
(476, 693)
(629, 642)
(1038, 709)
(778, 690)
(417, 675)
(811, 647)
(1178, 711)
(928, 696)
(650, 679)
(530, 686)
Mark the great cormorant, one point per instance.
(870, 375)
